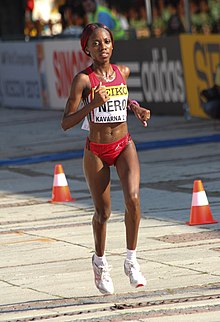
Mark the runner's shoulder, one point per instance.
(125, 70)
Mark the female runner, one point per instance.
(102, 88)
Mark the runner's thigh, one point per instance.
(97, 175)
(128, 169)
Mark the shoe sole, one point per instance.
(105, 293)
(135, 285)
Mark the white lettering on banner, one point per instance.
(66, 65)
(32, 89)
(20, 81)
(162, 80)
(13, 88)
(21, 89)
(63, 60)
(199, 199)
(14, 58)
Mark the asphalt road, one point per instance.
(46, 248)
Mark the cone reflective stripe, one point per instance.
(60, 192)
(60, 180)
(200, 213)
(199, 199)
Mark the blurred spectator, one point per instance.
(39, 27)
(126, 18)
(194, 11)
(61, 10)
(98, 13)
(158, 25)
(138, 21)
(137, 17)
(163, 8)
(217, 77)
(216, 27)
(211, 97)
(73, 21)
(50, 27)
(181, 12)
(72, 16)
(30, 29)
(120, 16)
(174, 24)
(214, 7)
(29, 7)
(205, 19)
(144, 28)
(133, 18)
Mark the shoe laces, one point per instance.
(104, 271)
(133, 268)
(133, 265)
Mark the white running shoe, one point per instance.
(132, 270)
(102, 277)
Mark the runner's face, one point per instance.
(100, 45)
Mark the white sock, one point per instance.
(100, 261)
(131, 255)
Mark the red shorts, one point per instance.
(108, 152)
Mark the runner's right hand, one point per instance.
(100, 95)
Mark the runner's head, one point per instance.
(88, 31)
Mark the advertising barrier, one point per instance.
(63, 59)
(166, 73)
(1, 94)
(20, 82)
(200, 56)
(156, 78)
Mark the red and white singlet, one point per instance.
(115, 109)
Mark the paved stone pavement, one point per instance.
(46, 248)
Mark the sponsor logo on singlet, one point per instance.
(115, 109)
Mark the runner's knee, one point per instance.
(102, 215)
(132, 203)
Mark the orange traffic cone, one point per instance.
(200, 211)
(60, 192)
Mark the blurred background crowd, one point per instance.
(68, 17)
(168, 17)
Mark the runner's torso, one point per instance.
(108, 122)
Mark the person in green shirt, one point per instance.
(101, 14)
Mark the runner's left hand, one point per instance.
(142, 114)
